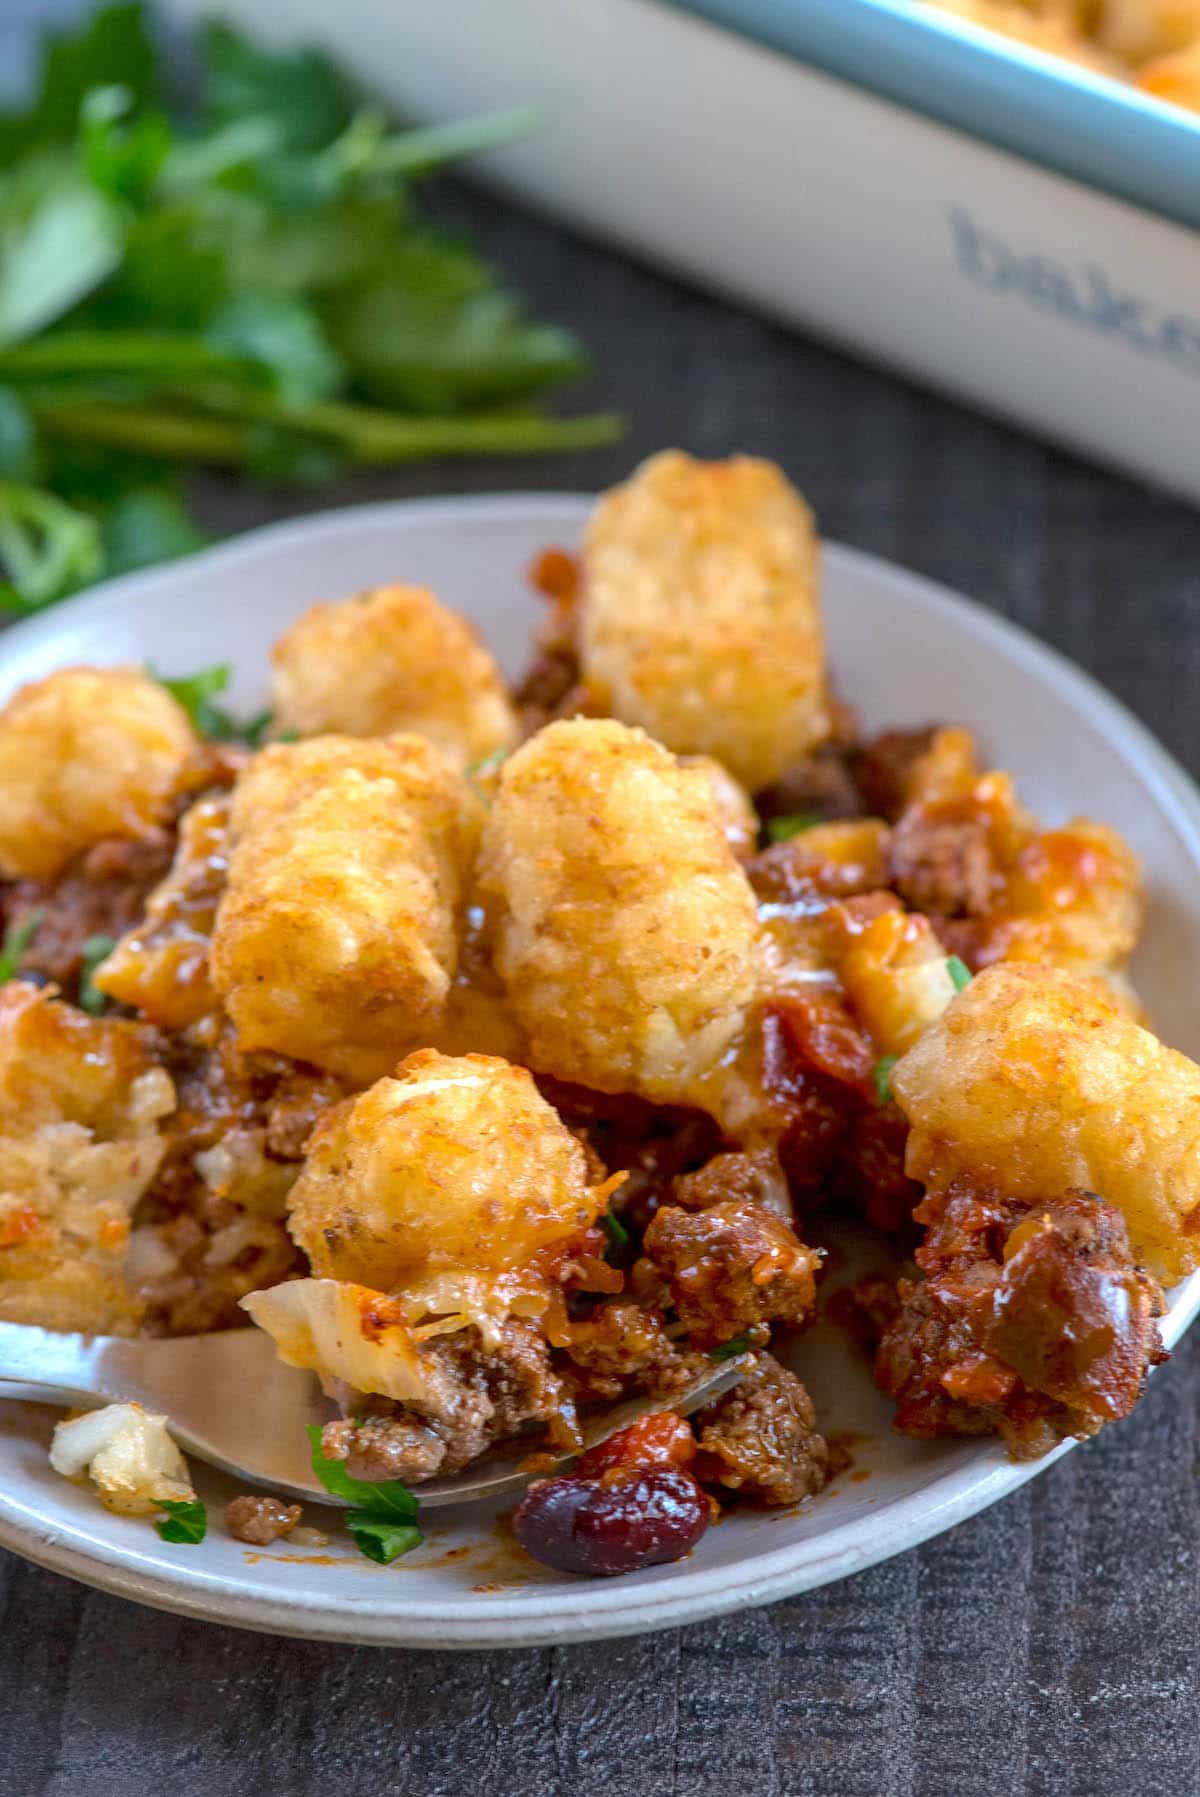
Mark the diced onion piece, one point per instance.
(128, 1454)
(343, 1332)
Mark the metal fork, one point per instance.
(231, 1401)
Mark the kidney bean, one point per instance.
(607, 1526)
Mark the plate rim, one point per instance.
(593, 1610)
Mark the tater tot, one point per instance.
(456, 1164)
(1031, 1081)
(81, 1099)
(624, 929)
(701, 617)
(84, 754)
(336, 938)
(392, 659)
(1136, 29)
(737, 815)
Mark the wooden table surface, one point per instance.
(1050, 1646)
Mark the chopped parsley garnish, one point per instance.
(740, 1344)
(95, 950)
(619, 1237)
(187, 1521)
(959, 972)
(196, 693)
(380, 1540)
(782, 829)
(254, 732)
(383, 1522)
(489, 764)
(17, 939)
(882, 1075)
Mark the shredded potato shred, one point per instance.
(492, 1048)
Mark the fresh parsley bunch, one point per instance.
(244, 282)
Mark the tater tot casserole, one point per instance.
(509, 1053)
(1152, 44)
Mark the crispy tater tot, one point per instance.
(336, 938)
(1175, 78)
(80, 1103)
(625, 931)
(737, 815)
(455, 1165)
(84, 754)
(701, 617)
(1033, 1082)
(1137, 29)
(391, 659)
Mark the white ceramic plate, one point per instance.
(905, 652)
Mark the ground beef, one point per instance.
(731, 1270)
(477, 1396)
(761, 1439)
(821, 787)
(552, 686)
(942, 864)
(650, 1144)
(260, 1520)
(869, 1173)
(618, 1349)
(752, 1175)
(866, 1309)
(103, 893)
(881, 769)
(1030, 1320)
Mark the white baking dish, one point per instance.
(972, 267)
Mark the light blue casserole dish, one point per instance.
(1048, 110)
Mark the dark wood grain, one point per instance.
(1050, 1646)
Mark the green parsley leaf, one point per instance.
(187, 1521)
(782, 829)
(47, 548)
(18, 442)
(379, 1539)
(59, 238)
(17, 939)
(959, 972)
(122, 155)
(302, 91)
(114, 46)
(147, 526)
(387, 1502)
(882, 1075)
(488, 763)
(95, 950)
(411, 342)
(196, 692)
(740, 1344)
(284, 335)
(619, 1237)
(255, 730)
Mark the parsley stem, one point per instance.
(368, 437)
(416, 152)
(121, 352)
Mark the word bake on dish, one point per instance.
(503, 1052)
